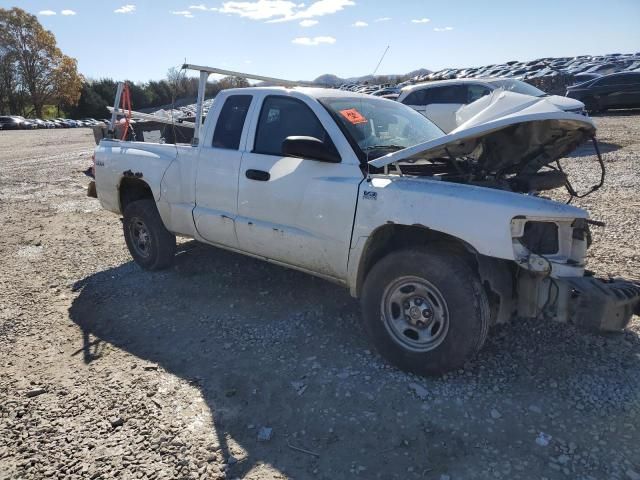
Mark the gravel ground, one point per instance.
(227, 367)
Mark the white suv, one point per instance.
(439, 101)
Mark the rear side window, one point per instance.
(476, 92)
(231, 121)
(449, 94)
(283, 117)
(418, 97)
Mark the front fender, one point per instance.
(478, 216)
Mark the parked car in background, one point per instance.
(618, 90)
(585, 77)
(383, 92)
(26, 124)
(39, 123)
(89, 122)
(440, 100)
(66, 123)
(11, 123)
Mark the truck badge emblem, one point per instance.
(370, 195)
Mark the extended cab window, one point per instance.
(283, 117)
(231, 121)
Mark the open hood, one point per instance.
(503, 133)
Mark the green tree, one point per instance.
(42, 71)
(91, 104)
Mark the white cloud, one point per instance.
(283, 10)
(312, 42)
(46, 13)
(260, 9)
(421, 20)
(444, 29)
(68, 13)
(308, 23)
(382, 19)
(126, 9)
(320, 8)
(183, 13)
(198, 7)
(360, 24)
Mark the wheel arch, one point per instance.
(131, 190)
(496, 275)
(392, 236)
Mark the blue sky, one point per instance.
(141, 39)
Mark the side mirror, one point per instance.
(310, 148)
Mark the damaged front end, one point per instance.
(509, 142)
(513, 142)
(551, 281)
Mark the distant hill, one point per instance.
(333, 80)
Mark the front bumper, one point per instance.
(596, 304)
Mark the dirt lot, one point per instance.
(108, 371)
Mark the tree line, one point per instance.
(175, 90)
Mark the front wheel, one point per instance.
(151, 245)
(425, 310)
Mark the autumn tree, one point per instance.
(42, 71)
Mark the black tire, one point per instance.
(592, 105)
(449, 278)
(151, 245)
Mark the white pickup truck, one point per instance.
(440, 236)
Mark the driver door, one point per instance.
(292, 210)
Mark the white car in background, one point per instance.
(440, 100)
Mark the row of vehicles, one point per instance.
(17, 122)
(442, 100)
(578, 69)
(584, 64)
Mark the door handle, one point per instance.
(259, 175)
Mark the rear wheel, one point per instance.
(426, 311)
(151, 245)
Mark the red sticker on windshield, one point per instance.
(353, 115)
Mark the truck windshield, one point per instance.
(380, 126)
